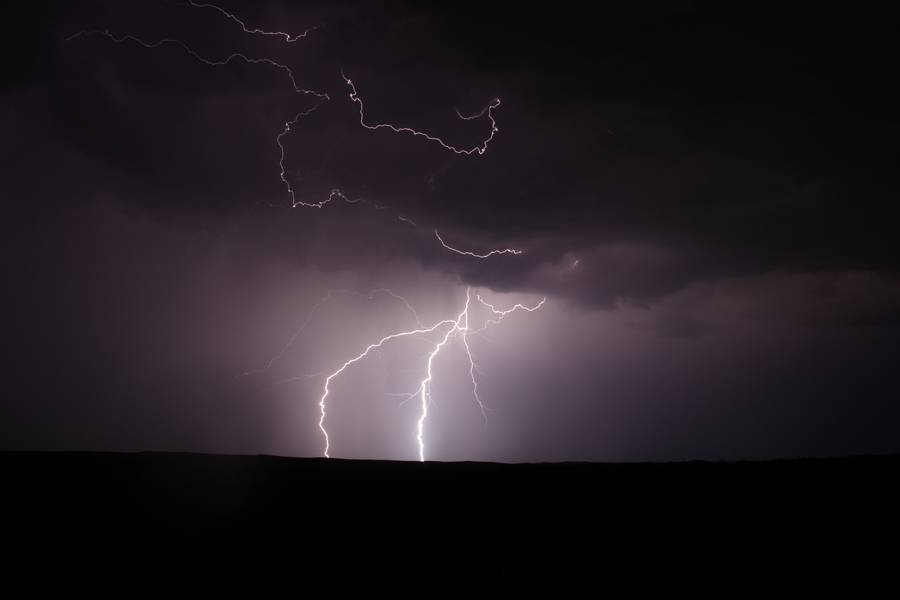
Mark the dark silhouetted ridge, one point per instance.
(508, 517)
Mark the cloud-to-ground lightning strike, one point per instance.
(458, 327)
(358, 358)
(449, 328)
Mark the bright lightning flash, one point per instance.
(450, 328)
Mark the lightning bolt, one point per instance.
(322, 96)
(479, 114)
(287, 37)
(499, 315)
(194, 54)
(475, 254)
(449, 328)
(458, 327)
(330, 295)
(479, 149)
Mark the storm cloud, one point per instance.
(706, 197)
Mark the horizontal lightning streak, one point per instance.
(287, 37)
(474, 254)
(501, 314)
(354, 96)
(194, 54)
(477, 115)
(328, 296)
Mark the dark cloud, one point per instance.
(722, 137)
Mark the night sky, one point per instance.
(706, 194)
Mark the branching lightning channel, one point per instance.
(213, 63)
(458, 327)
(287, 37)
(480, 149)
(322, 97)
(358, 358)
(475, 254)
(480, 113)
(327, 298)
(335, 193)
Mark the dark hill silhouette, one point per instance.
(471, 518)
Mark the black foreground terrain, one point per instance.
(456, 520)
